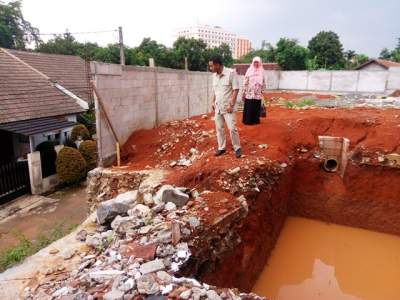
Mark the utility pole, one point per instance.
(121, 47)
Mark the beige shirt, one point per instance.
(223, 86)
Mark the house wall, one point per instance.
(142, 97)
(373, 66)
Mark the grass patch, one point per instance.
(302, 103)
(26, 247)
(306, 102)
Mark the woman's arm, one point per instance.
(245, 86)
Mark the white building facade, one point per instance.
(213, 36)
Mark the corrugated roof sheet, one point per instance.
(35, 126)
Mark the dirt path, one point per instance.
(32, 215)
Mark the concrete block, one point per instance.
(372, 81)
(293, 80)
(319, 80)
(344, 81)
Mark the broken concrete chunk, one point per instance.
(194, 222)
(105, 274)
(81, 235)
(164, 277)
(158, 208)
(94, 240)
(67, 254)
(170, 206)
(128, 198)
(114, 295)
(175, 196)
(140, 210)
(212, 295)
(108, 210)
(122, 224)
(148, 199)
(152, 266)
(185, 294)
(233, 171)
(147, 285)
(158, 197)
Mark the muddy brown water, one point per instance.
(317, 260)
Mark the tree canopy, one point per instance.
(327, 50)
(15, 31)
(290, 55)
(391, 54)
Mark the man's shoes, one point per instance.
(238, 153)
(219, 152)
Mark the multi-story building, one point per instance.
(213, 36)
(242, 47)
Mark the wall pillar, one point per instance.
(35, 172)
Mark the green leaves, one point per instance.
(290, 55)
(15, 31)
(327, 49)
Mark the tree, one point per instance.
(15, 31)
(385, 54)
(60, 44)
(195, 51)
(327, 49)
(267, 55)
(290, 55)
(391, 55)
(224, 51)
(360, 59)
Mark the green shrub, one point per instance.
(88, 149)
(70, 165)
(306, 102)
(80, 130)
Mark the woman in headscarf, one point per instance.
(253, 87)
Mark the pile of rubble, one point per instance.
(177, 132)
(145, 241)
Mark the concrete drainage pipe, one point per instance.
(331, 165)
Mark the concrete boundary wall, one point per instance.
(335, 81)
(143, 97)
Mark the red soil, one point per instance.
(367, 196)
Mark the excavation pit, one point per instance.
(284, 175)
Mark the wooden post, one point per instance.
(121, 47)
(118, 154)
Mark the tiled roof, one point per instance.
(27, 94)
(69, 71)
(383, 62)
(388, 63)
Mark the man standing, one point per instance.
(225, 91)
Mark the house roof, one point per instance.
(72, 72)
(382, 62)
(25, 93)
(35, 126)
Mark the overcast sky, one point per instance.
(365, 26)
